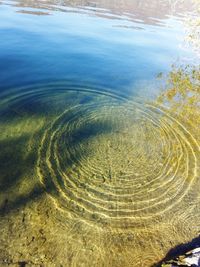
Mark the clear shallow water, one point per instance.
(94, 171)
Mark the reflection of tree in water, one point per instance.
(182, 90)
(182, 97)
(183, 93)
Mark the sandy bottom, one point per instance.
(92, 179)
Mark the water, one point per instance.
(99, 159)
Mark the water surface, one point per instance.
(99, 159)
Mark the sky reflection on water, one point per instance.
(116, 51)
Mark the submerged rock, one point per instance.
(191, 258)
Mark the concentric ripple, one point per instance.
(116, 162)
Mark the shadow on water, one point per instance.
(72, 140)
(179, 250)
(90, 130)
(15, 164)
(9, 206)
(11, 157)
(18, 163)
(24, 108)
(17, 156)
(45, 100)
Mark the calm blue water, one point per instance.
(95, 45)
